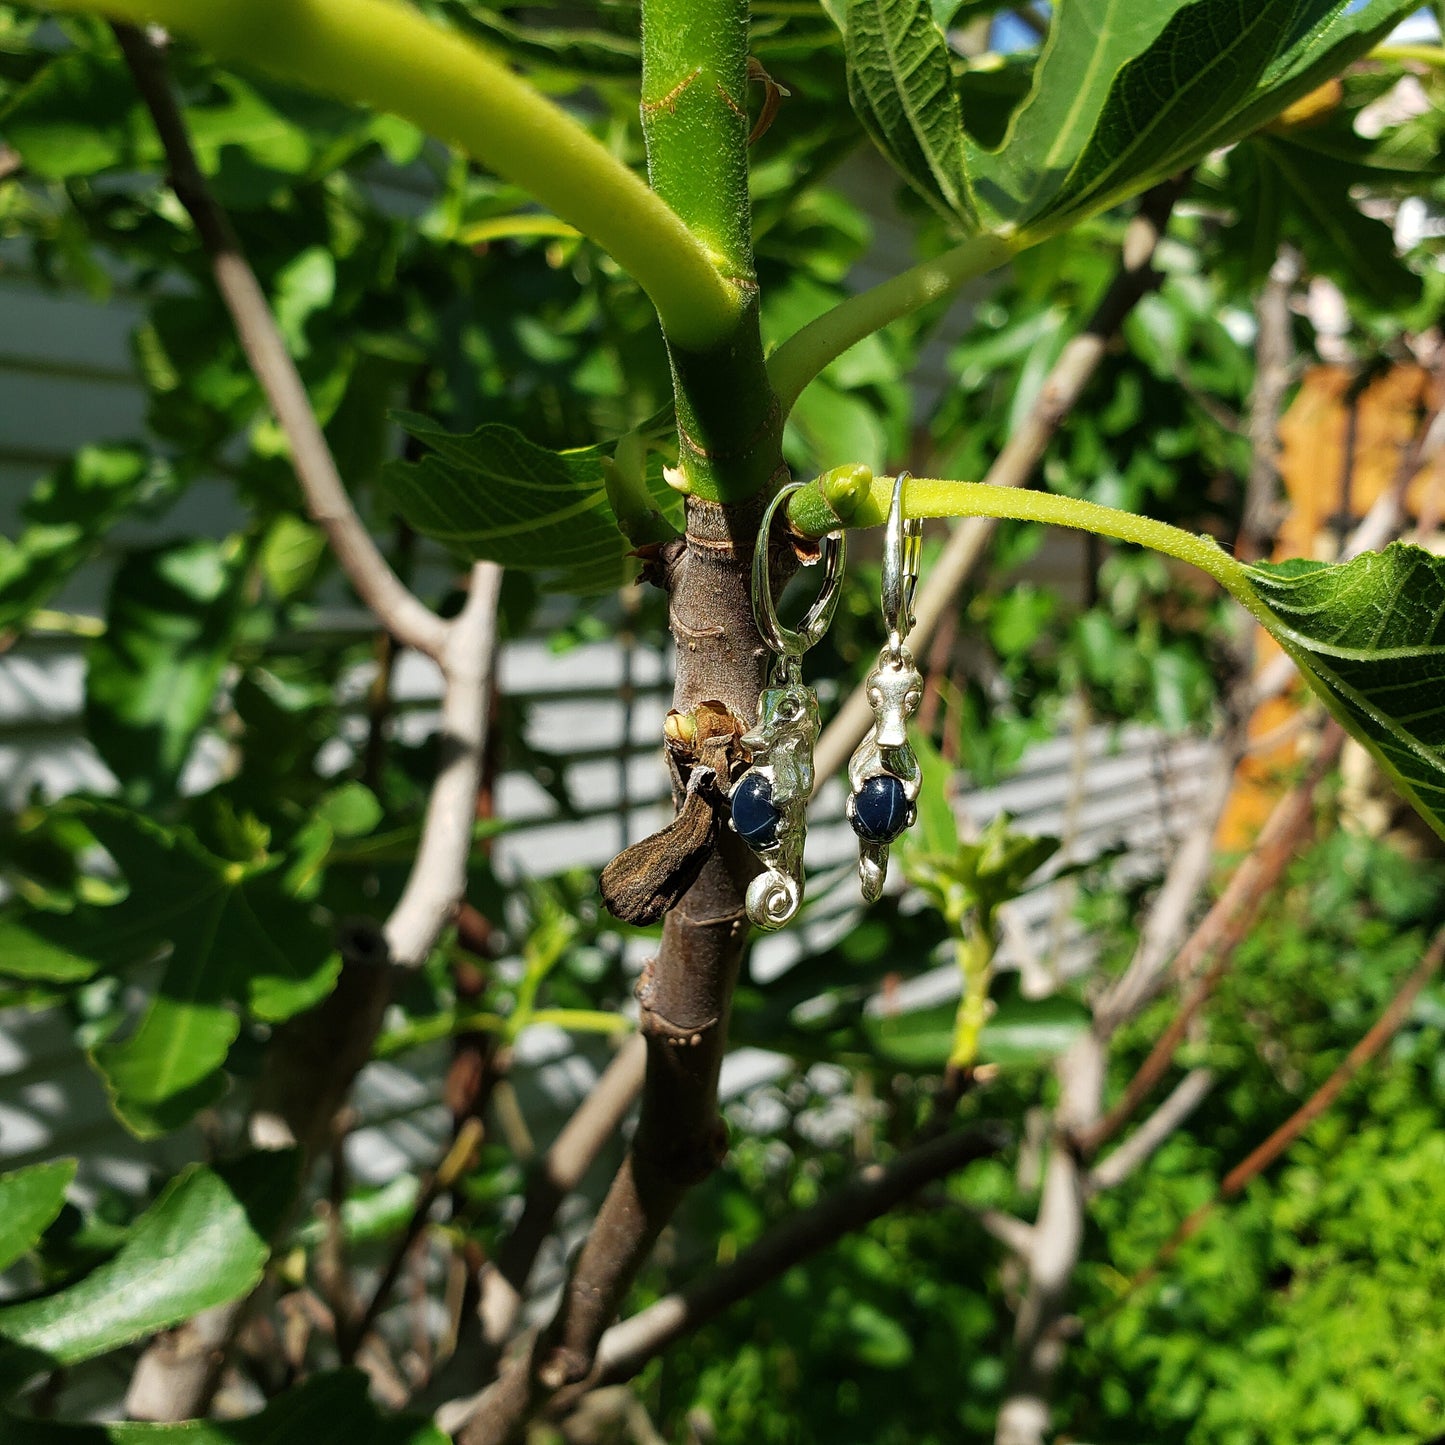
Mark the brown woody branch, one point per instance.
(1213, 944)
(1263, 1155)
(409, 620)
(685, 995)
(460, 1157)
(627, 1347)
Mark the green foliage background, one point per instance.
(1312, 1309)
(409, 283)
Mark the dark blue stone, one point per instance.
(755, 815)
(880, 809)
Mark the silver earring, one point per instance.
(883, 773)
(769, 800)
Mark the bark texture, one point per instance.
(685, 993)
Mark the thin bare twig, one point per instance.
(1220, 933)
(628, 1346)
(1262, 1156)
(1182, 1101)
(502, 1281)
(460, 1157)
(327, 502)
(573, 1152)
(1015, 464)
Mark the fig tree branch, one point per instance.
(388, 55)
(1015, 464)
(628, 1346)
(730, 448)
(327, 501)
(804, 354)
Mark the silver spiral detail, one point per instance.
(773, 898)
(872, 870)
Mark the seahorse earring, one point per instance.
(769, 800)
(883, 774)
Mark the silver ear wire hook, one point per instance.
(769, 800)
(902, 554)
(788, 644)
(883, 773)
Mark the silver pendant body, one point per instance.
(895, 689)
(779, 782)
(780, 747)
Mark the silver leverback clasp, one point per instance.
(790, 644)
(902, 557)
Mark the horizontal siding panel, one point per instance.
(49, 328)
(42, 415)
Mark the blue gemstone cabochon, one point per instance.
(755, 815)
(880, 809)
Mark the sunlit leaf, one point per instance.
(194, 1248)
(1125, 93)
(229, 937)
(1169, 102)
(1340, 240)
(1088, 44)
(29, 1200)
(1029, 1031)
(1019, 1032)
(1318, 48)
(494, 495)
(80, 114)
(66, 515)
(900, 83)
(1370, 634)
(151, 679)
